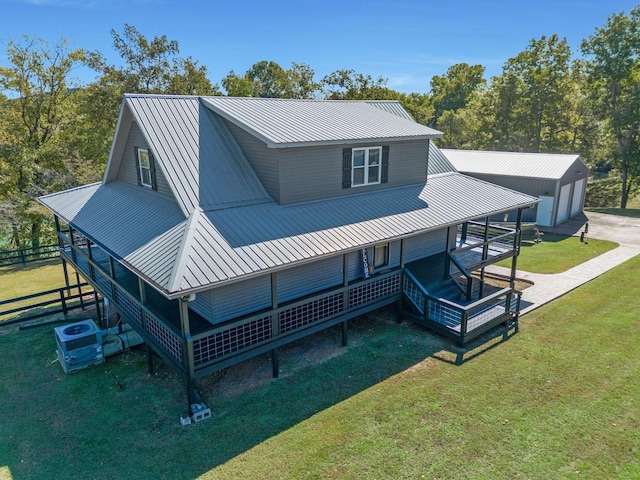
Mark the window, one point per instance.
(366, 166)
(381, 255)
(144, 168)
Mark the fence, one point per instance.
(64, 297)
(29, 254)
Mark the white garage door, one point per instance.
(563, 203)
(576, 203)
(545, 209)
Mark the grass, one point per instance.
(559, 399)
(557, 253)
(34, 277)
(19, 280)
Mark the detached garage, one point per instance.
(559, 181)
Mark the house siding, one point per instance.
(302, 180)
(263, 160)
(231, 301)
(127, 171)
(307, 279)
(425, 245)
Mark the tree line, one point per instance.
(56, 133)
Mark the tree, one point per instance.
(268, 79)
(349, 85)
(613, 72)
(33, 157)
(453, 90)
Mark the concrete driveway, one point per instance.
(546, 287)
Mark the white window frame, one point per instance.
(381, 261)
(142, 169)
(366, 167)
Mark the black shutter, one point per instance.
(135, 155)
(346, 168)
(152, 168)
(384, 177)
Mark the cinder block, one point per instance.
(200, 412)
(185, 420)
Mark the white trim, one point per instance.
(142, 169)
(366, 166)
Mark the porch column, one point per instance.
(516, 246)
(188, 354)
(485, 254)
(142, 291)
(275, 325)
(345, 295)
(447, 248)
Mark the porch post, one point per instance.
(400, 304)
(112, 274)
(447, 260)
(275, 326)
(345, 295)
(142, 291)
(188, 354)
(516, 247)
(485, 254)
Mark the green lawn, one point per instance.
(557, 400)
(557, 253)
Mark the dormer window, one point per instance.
(145, 168)
(365, 166)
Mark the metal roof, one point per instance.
(282, 123)
(438, 163)
(391, 106)
(192, 146)
(179, 255)
(534, 165)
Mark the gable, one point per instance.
(288, 123)
(515, 164)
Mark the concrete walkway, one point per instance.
(547, 287)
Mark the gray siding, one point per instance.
(314, 173)
(355, 260)
(309, 278)
(127, 172)
(425, 245)
(532, 186)
(231, 301)
(263, 160)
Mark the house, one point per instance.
(559, 181)
(227, 227)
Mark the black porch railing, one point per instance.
(462, 322)
(225, 344)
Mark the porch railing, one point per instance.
(229, 342)
(460, 320)
(474, 251)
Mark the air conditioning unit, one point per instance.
(79, 345)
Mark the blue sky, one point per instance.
(404, 41)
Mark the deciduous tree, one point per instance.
(613, 72)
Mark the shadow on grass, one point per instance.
(248, 406)
(622, 212)
(31, 265)
(529, 239)
(317, 373)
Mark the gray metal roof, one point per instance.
(193, 146)
(179, 255)
(391, 106)
(282, 123)
(535, 165)
(171, 127)
(438, 163)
